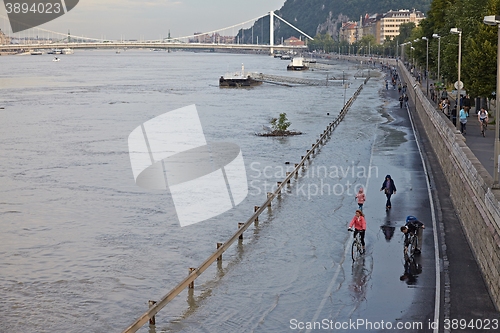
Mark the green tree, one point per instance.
(478, 71)
(405, 32)
(280, 124)
(366, 43)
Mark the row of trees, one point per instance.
(479, 43)
(366, 45)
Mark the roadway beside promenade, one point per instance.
(465, 292)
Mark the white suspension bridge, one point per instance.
(40, 39)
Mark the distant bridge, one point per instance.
(152, 45)
(175, 43)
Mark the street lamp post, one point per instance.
(439, 54)
(427, 65)
(495, 20)
(415, 41)
(459, 32)
(412, 56)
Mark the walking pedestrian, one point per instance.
(401, 100)
(463, 121)
(454, 115)
(446, 107)
(467, 104)
(361, 197)
(389, 189)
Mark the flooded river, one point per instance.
(83, 248)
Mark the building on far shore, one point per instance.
(214, 38)
(293, 41)
(350, 32)
(390, 22)
(4, 39)
(381, 26)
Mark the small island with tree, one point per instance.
(280, 127)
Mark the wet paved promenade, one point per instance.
(465, 293)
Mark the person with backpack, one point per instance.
(413, 227)
(482, 117)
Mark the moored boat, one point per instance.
(54, 51)
(237, 80)
(297, 64)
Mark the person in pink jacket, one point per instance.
(361, 198)
(359, 224)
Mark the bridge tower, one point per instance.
(271, 31)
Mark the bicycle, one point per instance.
(410, 246)
(484, 126)
(357, 248)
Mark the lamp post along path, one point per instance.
(459, 32)
(427, 65)
(439, 55)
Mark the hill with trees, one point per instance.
(322, 16)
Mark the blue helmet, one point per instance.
(411, 218)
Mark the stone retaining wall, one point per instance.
(470, 186)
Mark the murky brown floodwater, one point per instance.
(82, 248)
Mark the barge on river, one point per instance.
(297, 64)
(237, 80)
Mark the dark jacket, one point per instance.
(413, 227)
(467, 101)
(388, 189)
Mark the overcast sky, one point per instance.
(150, 19)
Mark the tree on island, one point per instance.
(280, 124)
(280, 127)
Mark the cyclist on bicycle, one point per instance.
(482, 116)
(413, 227)
(359, 223)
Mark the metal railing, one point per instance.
(295, 80)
